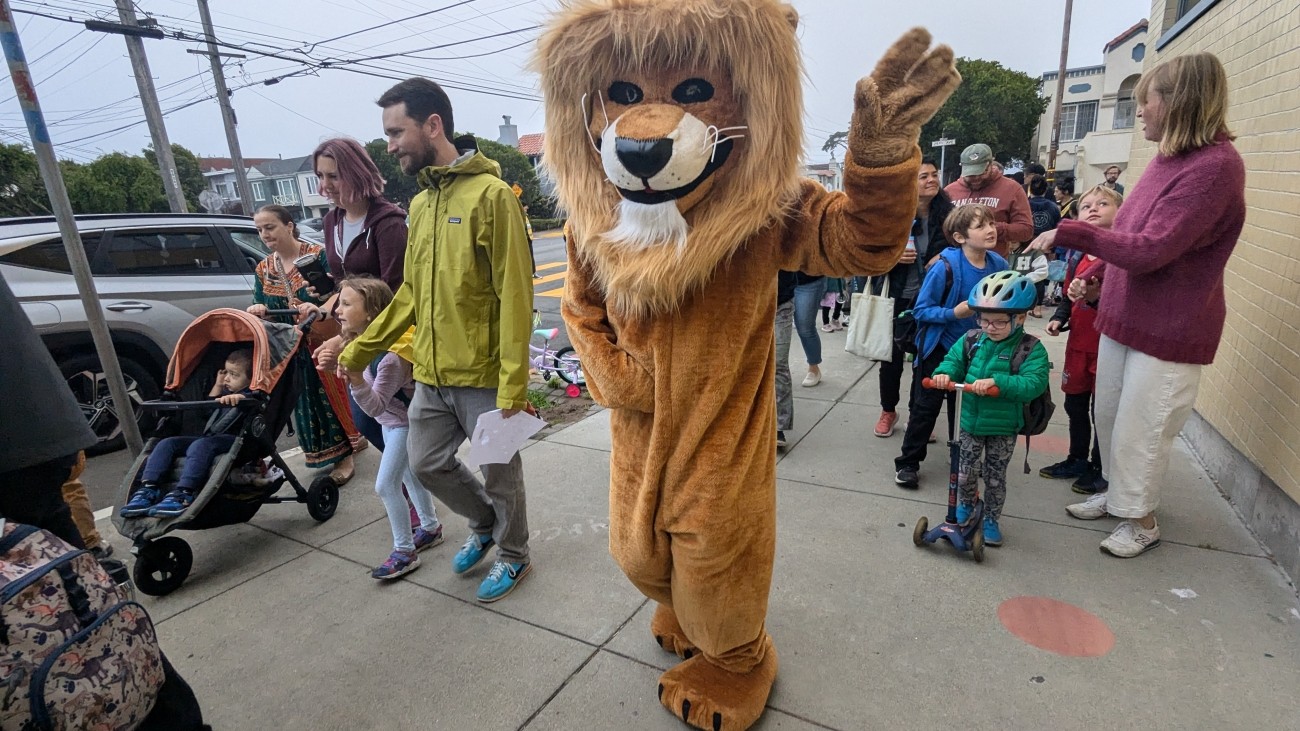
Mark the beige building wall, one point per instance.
(1251, 394)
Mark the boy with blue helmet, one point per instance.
(988, 358)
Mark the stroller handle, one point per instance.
(255, 398)
(305, 325)
(964, 387)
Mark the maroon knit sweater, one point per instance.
(1163, 289)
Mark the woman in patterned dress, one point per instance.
(279, 286)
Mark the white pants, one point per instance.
(1142, 403)
(394, 469)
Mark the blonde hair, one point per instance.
(375, 294)
(964, 218)
(1195, 91)
(1115, 196)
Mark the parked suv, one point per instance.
(154, 273)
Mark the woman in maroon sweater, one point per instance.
(1162, 307)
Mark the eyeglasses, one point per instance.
(994, 324)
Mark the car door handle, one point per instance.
(130, 306)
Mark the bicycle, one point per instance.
(563, 362)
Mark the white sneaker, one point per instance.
(812, 379)
(1090, 509)
(1130, 539)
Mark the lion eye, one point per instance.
(622, 92)
(693, 91)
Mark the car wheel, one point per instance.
(86, 379)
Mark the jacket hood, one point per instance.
(476, 164)
(380, 209)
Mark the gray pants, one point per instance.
(784, 390)
(441, 420)
(997, 451)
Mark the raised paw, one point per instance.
(707, 697)
(669, 633)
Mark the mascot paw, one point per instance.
(669, 634)
(710, 698)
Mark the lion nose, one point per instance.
(643, 158)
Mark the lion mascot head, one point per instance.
(674, 132)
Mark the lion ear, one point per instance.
(791, 16)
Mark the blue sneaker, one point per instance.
(501, 580)
(141, 501)
(963, 511)
(399, 563)
(424, 539)
(176, 503)
(471, 553)
(992, 533)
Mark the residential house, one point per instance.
(219, 173)
(1246, 427)
(1097, 111)
(829, 174)
(291, 183)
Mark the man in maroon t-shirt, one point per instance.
(982, 182)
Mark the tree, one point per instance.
(187, 167)
(115, 183)
(399, 187)
(834, 142)
(22, 192)
(994, 105)
(515, 169)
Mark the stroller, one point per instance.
(232, 494)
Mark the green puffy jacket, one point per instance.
(468, 286)
(1004, 415)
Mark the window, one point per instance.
(259, 190)
(312, 184)
(1179, 16)
(1125, 104)
(251, 248)
(285, 189)
(1077, 120)
(165, 252)
(50, 255)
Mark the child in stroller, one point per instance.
(230, 388)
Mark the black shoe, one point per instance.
(1072, 468)
(781, 443)
(101, 552)
(907, 477)
(1090, 483)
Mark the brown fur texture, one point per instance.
(678, 343)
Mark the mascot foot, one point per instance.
(669, 634)
(710, 698)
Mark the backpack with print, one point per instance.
(75, 652)
(1037, 413)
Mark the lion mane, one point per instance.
(589, 44)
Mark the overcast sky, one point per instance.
(85, 85)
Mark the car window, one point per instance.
(49, 255)
(163, 251)
(250, 247)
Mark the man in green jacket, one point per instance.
(468, 291)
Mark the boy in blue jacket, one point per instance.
(943, 317)
(989, 424)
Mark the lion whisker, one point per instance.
(586, 123)
(728, 138)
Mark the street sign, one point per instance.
(943, 142)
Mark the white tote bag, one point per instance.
(871, 324)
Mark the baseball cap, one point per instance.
(975, 159)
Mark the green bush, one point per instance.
(546, 224)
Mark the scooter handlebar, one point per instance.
(993, 392)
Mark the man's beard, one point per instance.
(419, 161)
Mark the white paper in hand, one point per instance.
(497, 439)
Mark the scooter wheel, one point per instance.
(977, 546)
(918, 535)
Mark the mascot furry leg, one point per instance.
(674, 133)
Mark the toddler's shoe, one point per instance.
(399, 563)
(141, 501)
(501, 580)
(992, 533)
(781, 442)
(425, 539)
(963, 511)
(176, 502)
(471, 553)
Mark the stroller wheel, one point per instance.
(918, 535)
(323, 498)
(162, 566)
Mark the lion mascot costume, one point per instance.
(674, 134)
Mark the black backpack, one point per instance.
(1037, 413)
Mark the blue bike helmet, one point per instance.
(1003, 292)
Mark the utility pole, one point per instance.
(152, 112)
(53, 177)
(1060, 92)
(227, 112)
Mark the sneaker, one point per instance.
(1090, 483)
(835, 324)
(1071, 468)
(399, 563)
(964, 511)
(907, 477)
(471, 553)
(1090, 509)
(176, 503)
(141, 501)
(1130, 539)
(424, 539)
(992, 533)
(781, 443)
(828, 328)
(812, 379)
(101, 552)
(885, 424)
(501, 580)
(844, 320)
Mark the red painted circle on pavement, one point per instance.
(1055, 626)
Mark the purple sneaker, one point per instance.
(399, 563)
(424, 539)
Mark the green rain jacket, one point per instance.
(1004, 415)
(468, 286)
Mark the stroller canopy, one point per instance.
(274, 344)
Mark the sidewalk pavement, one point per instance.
(280, 626)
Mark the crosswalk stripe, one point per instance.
(557, 293)
(552, 265)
